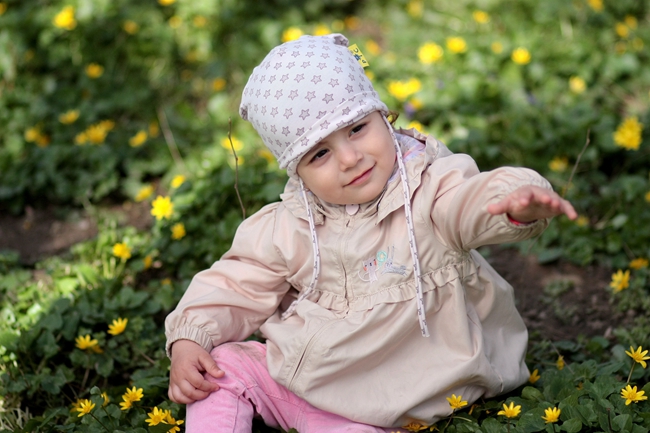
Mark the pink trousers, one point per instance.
(247, 390)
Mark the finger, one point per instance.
(191, 392)
(210, 366)
(177, 396)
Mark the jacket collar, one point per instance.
(418, 151)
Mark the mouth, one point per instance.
(361, 178)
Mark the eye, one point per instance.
(357, 128)
(318, 155)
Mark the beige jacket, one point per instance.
(355, 347)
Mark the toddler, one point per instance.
(364, 278)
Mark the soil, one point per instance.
(559, 301)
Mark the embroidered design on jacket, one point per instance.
(382, 263)
(389, 267)
(370, 268)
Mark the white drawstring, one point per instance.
(314, 241)
(409, 222)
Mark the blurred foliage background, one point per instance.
(105, 102)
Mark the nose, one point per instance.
(348, 156)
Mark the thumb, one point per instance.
(210, 366)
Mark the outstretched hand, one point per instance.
(530, 203)
(187, 383)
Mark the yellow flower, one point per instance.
(415, 8)
(620, 280)
(369, 74)
(577, 85)
(175, 22)
(32, 134)
(69, 117)
(628, 134)
(596, 5)
(107, 400)
(96, 134)
(154, 130)
(177, 181)
(144, 193)
(352, 22)
(414, 124)
(534, 376)
(430, 53)
(138, 139)
(43, 141)
(118, 326)
(416, 103)
(166, 2)
(169, 419)
(3, 8)
(130, 397)
(456, 402)
(622, 30)
(94, 70)
(162, 207)
(178, 231)
(631, 395)
(267, 155)
(647, 196)
(582, 221)
(76, 405)
(81, 139)
(147, 261)
(414, 426)
(639, 263)
(403, 89)
(551, 415)
(373, 47)
(638, 356)
(199, 21)
(130, 26)
(456, 44)
(291, 34)
(84, 342)
(321, 30)
(156, 417)
(511, 411)
(65, 19)
(122, 251)
(85, 407)
(560, 362)
(521, 56)
(558, 164)
(481, 17)
(631, 21)
(218, 84)
(496, 47)
(236, 144)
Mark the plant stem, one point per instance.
(629, 376)
(232, 147)
(100, 423)
(169, 138)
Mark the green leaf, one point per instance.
(622, 422)
(532, 393)
(573, 425)
(105, 366)
(160, 428)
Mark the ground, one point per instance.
(559, 300)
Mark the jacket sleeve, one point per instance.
(461, 195)
(230, 300)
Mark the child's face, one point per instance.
(351, 165)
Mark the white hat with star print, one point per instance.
(303, 91)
